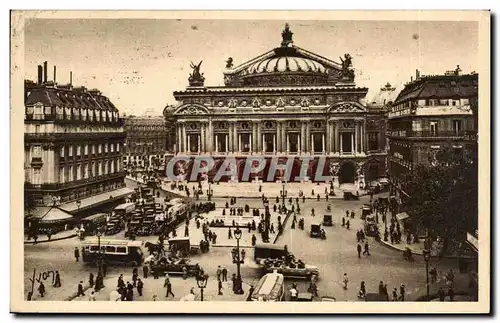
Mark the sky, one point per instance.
(139, 63)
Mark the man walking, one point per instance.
(57, 282)
(80, 290)
(359, 250)
(345, 280)
(219, 273)
(41, 289)
(224, 274)
(220, 286)
(77, 254)
(145, 271)
(367, 249)
(402, 292)
(168, 284)
(140, 286)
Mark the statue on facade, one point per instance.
(196, 78)
(287, 36)
(347, 72)
(229, 62)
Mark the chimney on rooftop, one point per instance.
(40, 71)
(45, 72)
(54, 74)
(411, 78)
(417, 74)
(71, 78)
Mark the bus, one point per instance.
(124, 209)
(266, 251)
(270, 288)
(93, 222)
(113, 251)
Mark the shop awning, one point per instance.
(96, 200)
(402, 216)
(50, 215)
(472, 240)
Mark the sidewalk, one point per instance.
(251, 190)
(68, 234)
(180, 288)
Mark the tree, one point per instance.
(444, 195)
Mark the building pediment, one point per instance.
(191, 109)
(347, 107)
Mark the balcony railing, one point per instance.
(63, 118)
(466, 135)
(80, 182)
(73, 135)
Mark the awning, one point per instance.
(96, 200)
(472, 240)
(50, 215)
(402, 216)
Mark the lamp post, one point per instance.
(427, 257)
(99, 256)
(202, 280)
(283, 195)
(78, 204)
(237, 289)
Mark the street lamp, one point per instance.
(427, 257)
(78, 204)
(238, 289)
(202, 280)
(99, 257)
(209, 192)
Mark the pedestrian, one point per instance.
(348, 224)
(395, 294)
(140, 286)
(219, 272)
(130, 292)
(362, 290)
(359, 250)
(303, 198)
(77, 254)
(293, 293)
(91, 280)
(441, 294)
(451, 294)
(385, 292)
(135, 275)
(345, 280)
(343, 221)
(92, 297)
(186, 231)
(250, 292)
(224, 274)
(57, 282)
(229, 234)
(402, 292)
(168, 284)
(145, 271)
(80, 290)
(121, 283)
(243, 253)
(220, 286)
(381, 288)
(41, 289)
(367, 249)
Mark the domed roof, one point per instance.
(285, 64)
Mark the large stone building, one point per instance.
(146, 142)
(285, 102)
(73, 142)
(429, 114)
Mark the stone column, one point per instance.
(239, 143)
(210, 136)
(278, 147)
(323, 142)
(199, 143)
(337, 136)
(178, 139)
(299, 144)
(230, 137)
(202, 138)
(236, 148)
(328, 137)
(216, 137)
(264, 144)
(184, 138)
(288, 142)
(188, 143)
(254, 137)
(227, 142)
(274, 141)
(303, 140)
(362, 148)
(308, 137)
(340, 143)
(250, 141)
(259, 138)
(284, 137)
(353, 142)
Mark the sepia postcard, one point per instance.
(250, 162)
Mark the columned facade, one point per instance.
(286, 102)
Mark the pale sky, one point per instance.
(138, 63)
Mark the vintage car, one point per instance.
(113, 227)
(327, 220)
(182, 246)
(371, 227)
(366, 210)
(143, 231)
(317, 231)
(294, 269)
(174, 266)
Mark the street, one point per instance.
(334, 256)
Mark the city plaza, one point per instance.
(285, 103)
